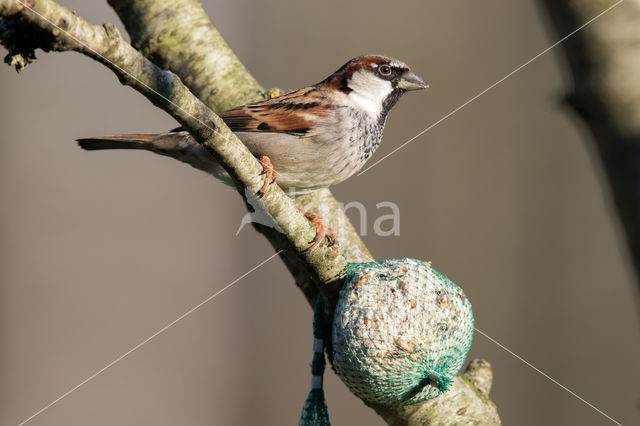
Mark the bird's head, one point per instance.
(375, 82)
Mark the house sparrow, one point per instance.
(309, 139)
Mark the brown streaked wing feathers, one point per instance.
(284, 114)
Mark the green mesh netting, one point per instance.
(314, 410)
(401, 331)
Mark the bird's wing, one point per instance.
(294, 113)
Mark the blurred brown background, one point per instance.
(100, 250)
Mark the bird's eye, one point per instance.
(384, 70)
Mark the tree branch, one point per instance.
(179, 36)
(191, 52)
(603, 64)
(63, 30)
(458, 406)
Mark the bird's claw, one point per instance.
(331, 238)
(268, 171)
(321, 232)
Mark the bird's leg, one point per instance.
(267, 170)
(321, 232)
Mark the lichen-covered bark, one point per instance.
(351, 246)
(603, 63)
(179, 35)
(67, 31)
(218, 78)
(61, 29)
(458, 406)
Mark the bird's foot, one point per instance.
(321, 232)
(267, 170)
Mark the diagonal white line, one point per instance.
(549, 377)
(491, 87)
(139, 345)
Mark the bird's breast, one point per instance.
(328, 155)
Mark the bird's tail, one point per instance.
(177, 144)
(151, 142)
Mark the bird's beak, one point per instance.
(411, 81)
